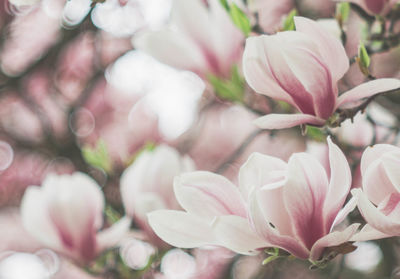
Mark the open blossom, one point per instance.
(200, 39)
(375, 7)
(147, 184)
(303, 68)
(66, 213)
(379, 199)
(293, 206)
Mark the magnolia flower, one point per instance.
(379, 199)
(374, 7)
(66, 213)
(147, 184)
(303, 68)
(200, 39)
(293, 206)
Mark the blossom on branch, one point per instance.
(294, 206)
(303, 68)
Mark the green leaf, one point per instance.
(363, 59)
(342, 12)
(270, 259)
(315, 133)
(240, 19)
(288, 24)
(225, 4)
(229, 89)
(98, 157)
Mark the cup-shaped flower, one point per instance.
(147, 184)
(200, 39)
(303, 68)
(293, 206)
(374, 7)
(379, 199)
(66, 213)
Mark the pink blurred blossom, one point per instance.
(66, 213)
(200, 39)
(147, 184)
(375, 7)
(27, 42)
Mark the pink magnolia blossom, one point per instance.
(200, 39)
(379, 199)
(147, 184)
(303, 68)
(375, 7)
(293, 205)
(66, 213)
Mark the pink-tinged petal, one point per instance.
(355, 96)
(236, 234)
(34, 216)
(207, 195)
(376, 184)
(259, 170)
(368, 233)
(374, 217)
(75, 205)
(112, 236)
(330, 48)
(181, 229)
(374, 152)
(173, 49)
(271, 202)
(192, 18)
(264, 229)
(314, 76)
(257, 70)
(332, 239)
(304, 195)
(283, 121)
(349, 207)
(339, 185)
(391, 163)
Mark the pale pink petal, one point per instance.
(112, 236)
(391, 163)
(349, 207)
(192, 18)
(304, 195)
(181, 229)
(374, 217)
(172, 48)
(339, 185)
(332, 239)
(236, 234)
(263, 228)
(34, 216)
(368, 233)
(282, 121)
(258, 170)
(376, 184)
(207, 194)
(353, 97)
(257, 71)
(374, 152)
(330, 48)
